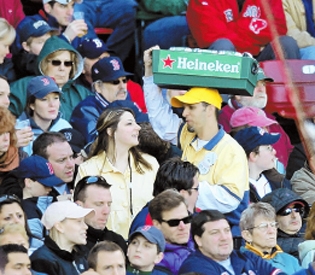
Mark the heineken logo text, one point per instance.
(215, 66)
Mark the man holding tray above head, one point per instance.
(221, 161)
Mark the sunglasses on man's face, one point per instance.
(176, 222)
(56, 63)
(288, 211)
(117, 81)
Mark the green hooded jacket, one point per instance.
(73, 93)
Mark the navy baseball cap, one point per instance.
(40, 86)
(251, 137)
(34, 27)
(261, 76)
(108, 69)
(152, 234)
(92, 48)
(139, 115)
(75, 139)
(38, 168)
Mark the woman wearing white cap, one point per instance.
(60, 254)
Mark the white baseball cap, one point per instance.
(60, 210)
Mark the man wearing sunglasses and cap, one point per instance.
(290, 209)
(169, 213)
(109, 84)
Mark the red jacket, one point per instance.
(248, 30)
(12, 10)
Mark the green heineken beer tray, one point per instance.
(182, 68)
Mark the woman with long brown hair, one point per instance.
(115, 157)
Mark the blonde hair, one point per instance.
(7, 31)
(14, 228)
(73, 57)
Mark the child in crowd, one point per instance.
(32, 35)
(37, 178)
(145, 250)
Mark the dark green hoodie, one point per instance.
(72, 93)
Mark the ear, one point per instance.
(109, 132)
(156, 223)
(159, 257)
(237, 97)
(198, 240)
(32, 107)
(183, 192)
(25, 46)
(247, 236)
(252, 156)
(28, 182)
(59, 227)
(47, 8)
(79, 203)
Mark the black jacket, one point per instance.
(50, 259)
(95, 235)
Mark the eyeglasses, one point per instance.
(9, 198)
(288, 211)
(264, 226)
(176, 222)
(117, 81)
(58, 63)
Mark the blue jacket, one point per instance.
(34, 209)
(85, 115)
(175, 255)
(309, 271)
(56, 125)
(277, 258)
(243, 263)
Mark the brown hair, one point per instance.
(7, 123)
(109, 119)
(310, 225)
(165, 201)
(106, 246)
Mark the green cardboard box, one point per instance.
(182, 68)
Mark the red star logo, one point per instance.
(168, 62)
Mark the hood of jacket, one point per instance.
(55, 44)
(305, 247)
(282, 197)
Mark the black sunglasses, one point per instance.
(58, 63)
(9, 198)
(288, 211)
(176, 222)
(117, 81)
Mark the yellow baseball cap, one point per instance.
(197, 95)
